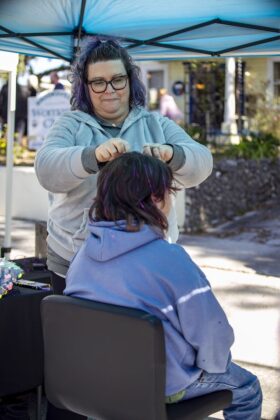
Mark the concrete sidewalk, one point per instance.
(245, 276)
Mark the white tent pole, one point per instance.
(229, 125)
(9, 162)
(229, 114)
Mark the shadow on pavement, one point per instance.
(249, 297)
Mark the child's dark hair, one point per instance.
(125, 188)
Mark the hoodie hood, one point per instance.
(134, 115)
(108, 240)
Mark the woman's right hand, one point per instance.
(111, 149)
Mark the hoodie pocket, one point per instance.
(81, 234)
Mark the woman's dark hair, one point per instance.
(94, 50)
(125, 187)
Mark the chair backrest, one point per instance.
(103, 361)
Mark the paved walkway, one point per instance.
(241, 260)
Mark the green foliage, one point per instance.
(255, 146)
(21, 154)
(5, 77)
(3, 145)
(3, 140)
(196, 132)
(267, 120)
(262, 110)
(18, 149)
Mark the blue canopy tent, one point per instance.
(159, 29)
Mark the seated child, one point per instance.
(126, 261)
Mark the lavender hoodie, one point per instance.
(141, 270)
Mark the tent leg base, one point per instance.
(5, 250)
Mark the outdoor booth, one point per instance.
(150, 30)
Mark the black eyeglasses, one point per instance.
(100, 85)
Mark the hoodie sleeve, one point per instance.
(198, 162)
(201, 318)
(58, 163)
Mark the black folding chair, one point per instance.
(108, 362)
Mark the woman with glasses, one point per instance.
(107, 119)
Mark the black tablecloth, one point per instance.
(21, 342)
(35, 269)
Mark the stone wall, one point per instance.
(234, 188)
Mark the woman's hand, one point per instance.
(163, 152)
(111, 149)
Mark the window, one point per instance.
(154, 76)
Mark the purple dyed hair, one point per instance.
(94, 50)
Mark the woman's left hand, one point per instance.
(163, 152)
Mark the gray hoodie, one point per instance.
(59, 169)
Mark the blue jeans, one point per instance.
(245, 387)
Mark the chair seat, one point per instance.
(199, 407)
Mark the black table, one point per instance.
(35, 269)
(21, 349)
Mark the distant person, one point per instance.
(21, 109)
(55, 81)
(168, 107)
(127, 261)
(32, 85)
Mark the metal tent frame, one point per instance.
(79, 32)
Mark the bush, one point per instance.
(3, 145)
(196, 132)
(255, 146)
(22, 156)
(263, 111)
